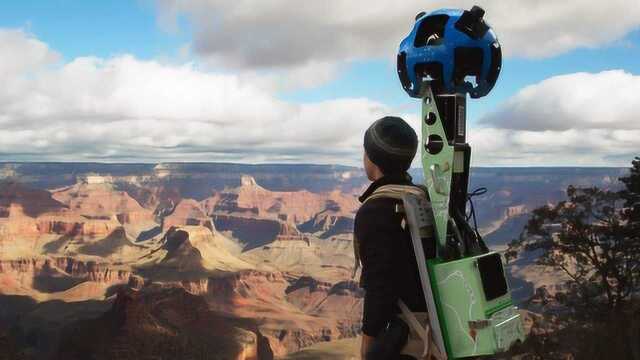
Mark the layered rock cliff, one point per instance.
(164, 323)
(61, 278)
(293, 315)
(186, 212)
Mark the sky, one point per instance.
(277, 82)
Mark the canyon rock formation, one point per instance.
(242, 261)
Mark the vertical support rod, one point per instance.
(437, 165)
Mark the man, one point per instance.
(389, 268)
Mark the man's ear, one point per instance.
(377, 171)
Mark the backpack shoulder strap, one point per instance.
(396, 191)
(393, 191)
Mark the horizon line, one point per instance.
(292, 164)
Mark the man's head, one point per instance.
(390, 145)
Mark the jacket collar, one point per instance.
(399, 179)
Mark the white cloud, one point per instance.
(291, 34)
(575, 119)
(123, 108)
(126, 109)
(604, 100)
(21, 51)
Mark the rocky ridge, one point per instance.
(270, 259)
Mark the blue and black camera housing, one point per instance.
(455, 50)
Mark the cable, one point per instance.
(472, 214)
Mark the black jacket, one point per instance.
(389, 268)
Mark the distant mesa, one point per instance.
(97, 197)
(32, 202)
(186, 212)
(330, 222)
(198, 250)
(257, 216)
(248, 181)
(512, 211)
(294, 206)
(8, 171)
(162, 170)
(347, 175)
(92, 179)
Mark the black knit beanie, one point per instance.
(391, 144)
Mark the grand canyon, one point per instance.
(215, 260)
